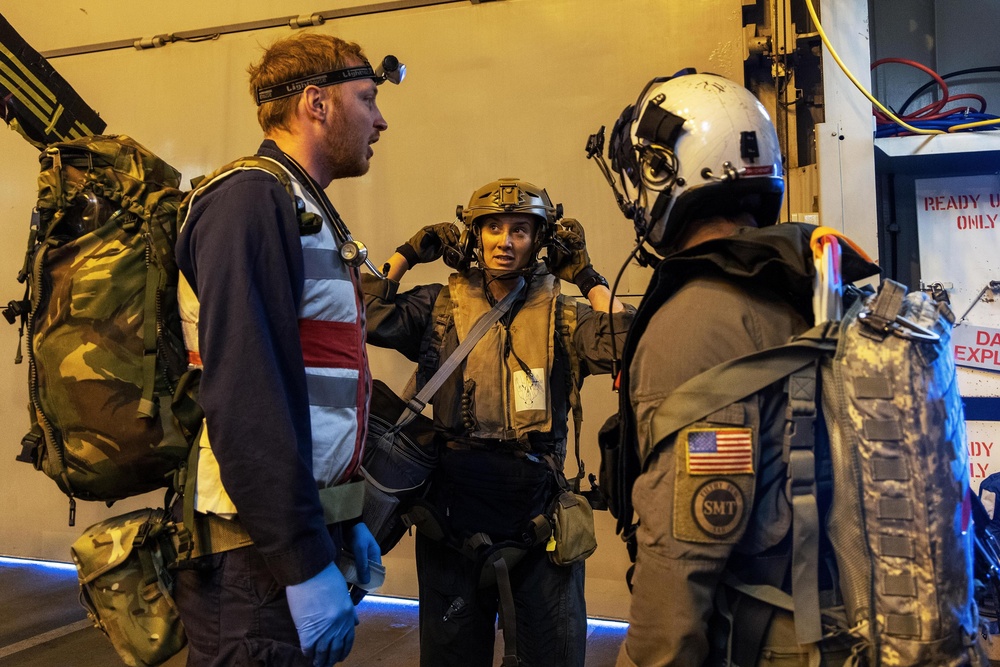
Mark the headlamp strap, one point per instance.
(296, 86)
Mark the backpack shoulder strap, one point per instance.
(309, 223)
(565, 330)
(258, 162)
(734, 380)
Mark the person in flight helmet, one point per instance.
(700, 164)
(501, 420)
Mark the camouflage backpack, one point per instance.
(99, 318)
(874, 419)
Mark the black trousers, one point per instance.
(235, 614)
(549, 605)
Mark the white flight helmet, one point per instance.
(693, 146)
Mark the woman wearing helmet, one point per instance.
(502, 421)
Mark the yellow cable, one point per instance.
(978, 123)
(878, 105)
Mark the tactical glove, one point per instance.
(568, 259)
(429, 243)
(324, 616)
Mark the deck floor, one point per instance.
(43, 625)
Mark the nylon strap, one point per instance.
(149, 575)
(210, 534)
(508, 619)
(732, 381)
(342, 502)
(751, 620)
(565, 326)
(416, 404)
(147, 406)
(888, 302)
(800, 440)
(736, 379)
(755, 606)
(772, 595)
(200, 544)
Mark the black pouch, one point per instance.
(397, 464)
(492, 492)
(609, 439)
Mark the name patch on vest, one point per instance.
(717, 507)
(529, 391)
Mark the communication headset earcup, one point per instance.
(657, 166)
(460, 257)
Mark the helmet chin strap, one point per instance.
(492, 275)
(502, 274)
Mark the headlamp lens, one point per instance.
(390, 69)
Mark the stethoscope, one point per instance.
(353, 253)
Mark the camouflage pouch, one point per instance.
(125, 585)
(573, 534)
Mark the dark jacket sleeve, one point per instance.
(398, 321)
(594, 335)
(242, 255)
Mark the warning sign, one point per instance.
(958, 221)
(977, 347)
(984, 450)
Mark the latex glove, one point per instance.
(363, 546)
(324, 616)
(429, 243)
(567, 255)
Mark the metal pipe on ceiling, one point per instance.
(203, 34)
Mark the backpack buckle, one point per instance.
(142, 534)
(29, 448)
(16, 309)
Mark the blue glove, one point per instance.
(363, 546)
(324, 616)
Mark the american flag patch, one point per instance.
(723, 451)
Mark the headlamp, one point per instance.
(390, 69)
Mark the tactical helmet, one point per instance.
(696, 145)
(506, 195)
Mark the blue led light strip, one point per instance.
(389, 601)
(46, 564)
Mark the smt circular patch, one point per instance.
(718, 507)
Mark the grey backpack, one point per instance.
(883, 383)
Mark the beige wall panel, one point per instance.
(510, 88)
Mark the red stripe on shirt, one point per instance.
(330, 344)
